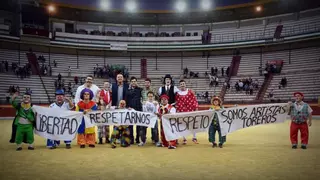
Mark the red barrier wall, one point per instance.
(8, 111)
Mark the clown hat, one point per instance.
(216, 98)
(84, 91)
(60, 92)
(296, 93)
(164, 96)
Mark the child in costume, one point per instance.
(300, 112)
(86, 135)
(166, 108)
(25, 120)
(65, 104)
(215, 126)
(150, 106)
(105, 100)
(121, 131)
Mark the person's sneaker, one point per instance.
(141, 144)
(172, 147)
(153, 142)
(19, 149)
(220, 145)
(92, 145)
(52, 147)
(195, 140)
(294, 146)
(158, 144)
(214, 145)
(118, 141)
(108, 141)
(184, 142)
(30, 148)
(82, 146)
(303, 147)
(68, 146)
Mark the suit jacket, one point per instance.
(115, 93)
(133, 98)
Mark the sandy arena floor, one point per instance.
(258, 153)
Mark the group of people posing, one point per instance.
(120, 95)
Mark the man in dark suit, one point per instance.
(134, 101)
(119, 90)
(168, 89)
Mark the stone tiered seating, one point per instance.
(34, 83)
(300, 59)
(233, 96)
(306, 82)
(249, 64)
(303, 60)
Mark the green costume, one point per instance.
(24, 121)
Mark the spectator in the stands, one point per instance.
(55, 63)
(271, 96)
(59, 77)
(216, 71)
(7, 97)
(206, 96)
(228, 71)
(50, 70)
(222, 71)
(240, 85)
(76, 80)
(212, 71)
(206, 74)
(69, 71)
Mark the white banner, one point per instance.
(119, 46)
(56, 124)
(232, 119)
(120, 117)
(183, 124)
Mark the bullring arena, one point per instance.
(252, 53)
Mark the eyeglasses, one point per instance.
(26, 97)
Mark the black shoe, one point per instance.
(294, 146)
(12, 141)
(52, 147)
(132, 142)
(214, 145)
(30, 148)
(82, 146)
(303, 147)
(125, 145)
(68, 146)
(108, 141)
(100, 141)
(92, 145)
(113, 145)
(19, 149)
(172, 147)
(220, 145)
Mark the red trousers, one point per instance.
(163, 139)
(304, 132)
